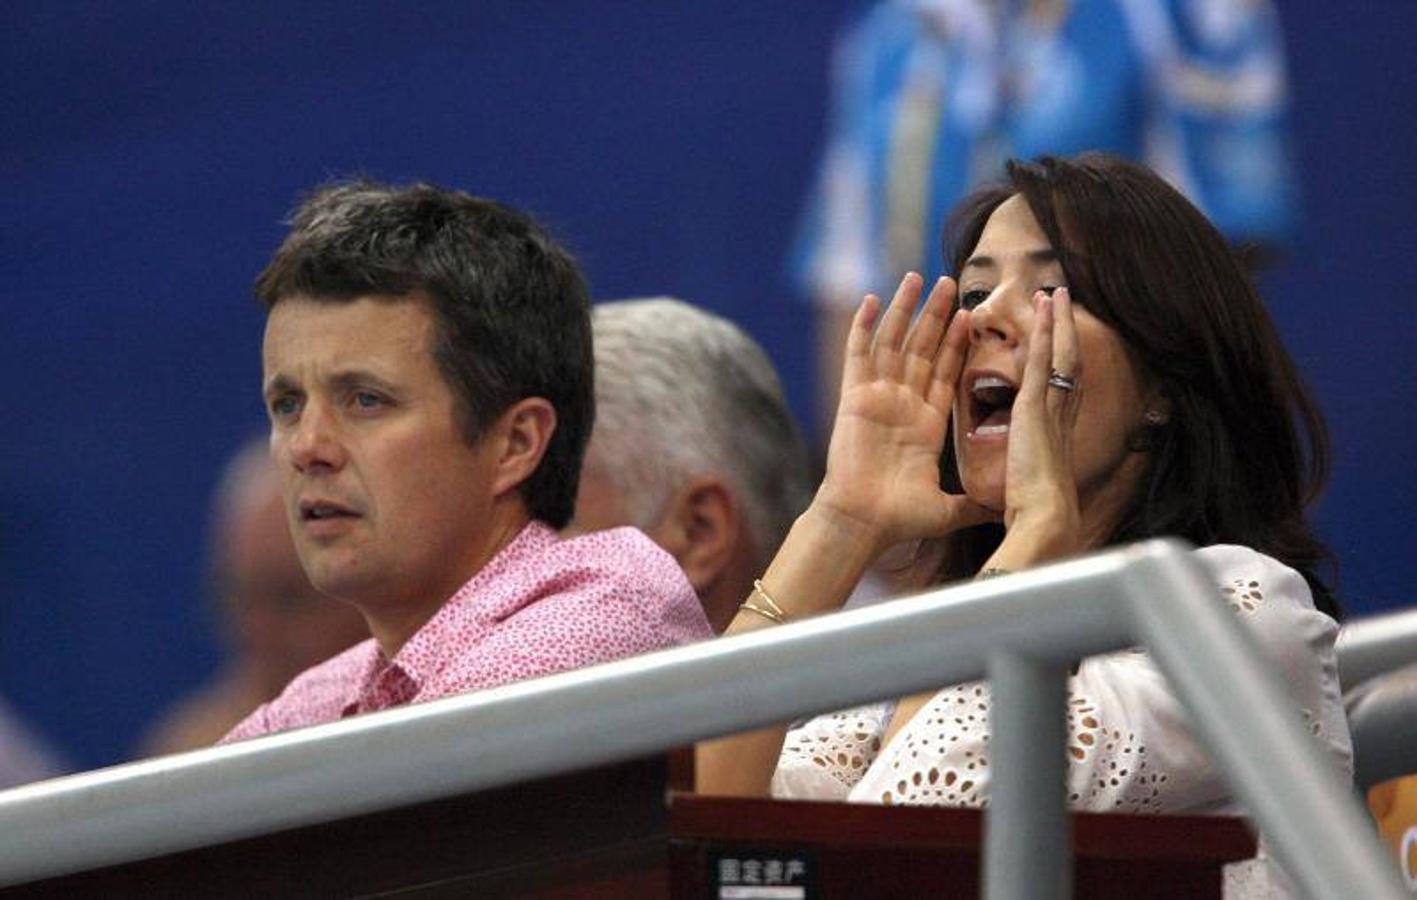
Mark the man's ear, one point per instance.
(701, 529)
(521, 436)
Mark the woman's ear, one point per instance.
(1156, 410)
(1155, 416)
(521, 436)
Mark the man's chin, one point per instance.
(340, 582)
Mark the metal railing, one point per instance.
(1376, 645)
(1377, 666)
(1383, 715)
(1022, 631)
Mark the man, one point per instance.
(427, 373)
(24, 756)
(277, 623)
(694, 445)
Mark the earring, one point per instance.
(1154, 418)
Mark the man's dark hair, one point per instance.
(1245, 449)
(511, 308)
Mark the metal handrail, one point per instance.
(1022, 630)
(1383, 715)
(1376, 645)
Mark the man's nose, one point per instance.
(314, 442)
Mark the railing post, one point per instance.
(1240, 708)
(1028, 850)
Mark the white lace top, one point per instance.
(1128, 746)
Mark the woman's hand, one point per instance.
(882, 487)
(898, 387)
(1040, 491)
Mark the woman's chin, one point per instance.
(987, 492)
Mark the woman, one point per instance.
(1108, 374)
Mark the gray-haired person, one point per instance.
(693, 444)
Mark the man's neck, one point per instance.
(393, 624)
(722, 597)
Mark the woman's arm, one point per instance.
(817, 567)
(1042, 519)
(881, 488)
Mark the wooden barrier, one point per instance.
(609, 833)
(727, 848)
(595, 833)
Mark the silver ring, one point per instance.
(1059, 380)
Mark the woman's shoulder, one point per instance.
(1276, 604)
(1250, 580)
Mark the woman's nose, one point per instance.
(997, 318)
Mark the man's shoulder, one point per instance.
(619, 554)
(625, 567)
(614, 575)
(580, 601)
(317, 695)
(329, 682)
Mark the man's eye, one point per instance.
(366, 400)
(283, 406)
(972, 298)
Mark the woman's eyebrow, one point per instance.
(1040, 256)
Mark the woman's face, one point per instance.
(1012, 261)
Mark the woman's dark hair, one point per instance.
(511, 308)
(1244, 449)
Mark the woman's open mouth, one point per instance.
(991, 401)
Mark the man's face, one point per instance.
(387, 503)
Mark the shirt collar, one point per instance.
(427, 652)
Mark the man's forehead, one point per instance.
(334, 335)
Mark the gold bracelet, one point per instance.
(765, 613)
(769, 608)
(992, 572)
(767, 598)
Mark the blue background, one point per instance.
(149, 151)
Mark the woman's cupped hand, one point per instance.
(898, 388)
(1041, 506)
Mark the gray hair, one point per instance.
(681, 392)
(247, 479)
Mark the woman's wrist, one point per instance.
(834, 523)
(823, 557)
(1031, 539)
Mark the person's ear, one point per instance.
(1155, 417)
(521, 436)
(1156, 409)
(700, 528)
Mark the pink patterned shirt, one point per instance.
(541, 605)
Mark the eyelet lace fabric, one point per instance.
(1128, 747)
